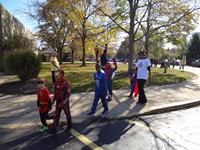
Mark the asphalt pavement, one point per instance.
(19, 109)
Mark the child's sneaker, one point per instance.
(130, 96)
(90, 113)
(109, 99)
(43, 128)
(104, 112)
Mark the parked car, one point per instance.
(175, 62)
(196, 63)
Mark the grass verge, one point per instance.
(81, 78)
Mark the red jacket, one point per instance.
(43, 98)
(61, 90)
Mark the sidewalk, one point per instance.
(160, 99)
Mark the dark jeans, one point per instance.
(96, 100)
(142, 97)
(133, 83)
(109, 85)
(66, 109)
(44, 116)
(53, 77)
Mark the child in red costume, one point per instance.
(133, 80)
(110, 72)
(61, 96)
(43, 103)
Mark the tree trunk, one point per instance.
(60, 55)
(83, 55)
(72, 55)
(147, 34)
(106, 46)
(83, 44)
(97, 54)
(131, 35)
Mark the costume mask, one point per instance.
(58, 75)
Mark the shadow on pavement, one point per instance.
(37, 141)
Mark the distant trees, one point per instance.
(147, 23)
(142, 20)
(194, 48)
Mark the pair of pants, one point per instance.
(96, 100)
(66, 110)
(142, 97)
(53, 77)
(133, 83)
(44, 116)
(109, 85)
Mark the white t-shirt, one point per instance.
(142, 72)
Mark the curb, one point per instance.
(150, 111)
(171, 107)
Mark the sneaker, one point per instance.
(90, 113)
(130, 96)
(142, 103)
(69, 127)
(109, 99)
(52, 130)
(105, 111)
(43, 128)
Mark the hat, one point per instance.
(141, 52)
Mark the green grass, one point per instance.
(81, 78)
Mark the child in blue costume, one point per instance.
(109, 71)
(133, 79)
(100, 90)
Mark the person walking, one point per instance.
(43, 104)
(104, 60)
(100, 90)
(61, 96)
(133, 80)
(54, 65)
(110, 72)
(143, 68)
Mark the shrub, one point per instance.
(23, 63)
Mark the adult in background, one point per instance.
(54, 65)
(143, 68)
(104, 59)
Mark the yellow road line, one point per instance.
(85, 140)
(77, 135)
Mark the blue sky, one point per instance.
(13, 6)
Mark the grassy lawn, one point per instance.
(81, 78)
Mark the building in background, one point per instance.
(9, 26)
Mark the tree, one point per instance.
(143, 17)
(53, 26)
(194, 48)
(122, 52)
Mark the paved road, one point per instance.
(19, 112)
